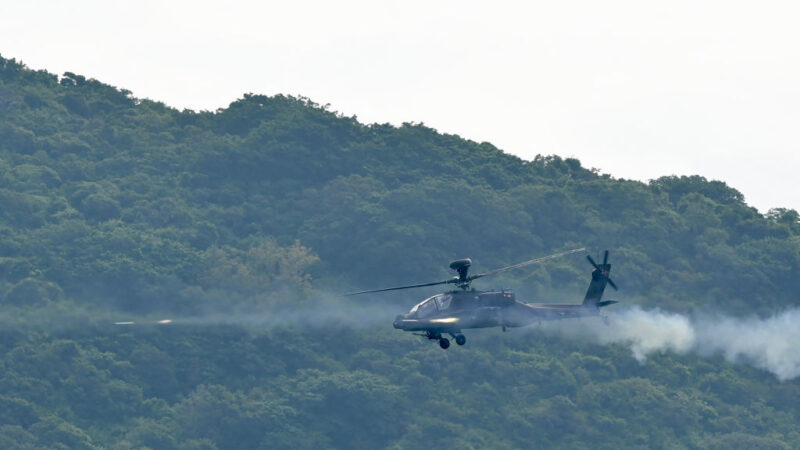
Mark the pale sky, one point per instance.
(637, 89)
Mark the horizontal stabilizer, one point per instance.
(606, 303)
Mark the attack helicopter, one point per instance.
(462, 308)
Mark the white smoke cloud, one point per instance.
(769, 344)
(647, 332)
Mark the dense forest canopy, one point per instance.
(114, 206)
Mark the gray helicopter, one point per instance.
(464, 308)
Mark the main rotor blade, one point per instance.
(404, 287)
(523, 264)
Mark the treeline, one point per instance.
(228, 387)
(113, 203)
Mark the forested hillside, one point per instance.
(244, 224)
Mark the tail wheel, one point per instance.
(444, 343)
(461, 339)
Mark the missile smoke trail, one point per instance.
(770, 344)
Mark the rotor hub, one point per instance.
(462, 267)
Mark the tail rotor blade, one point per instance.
(603, 269)
(592, 262)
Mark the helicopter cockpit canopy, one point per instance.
(432, 305)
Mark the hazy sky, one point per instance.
(636, 89)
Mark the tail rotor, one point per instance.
(604, 269)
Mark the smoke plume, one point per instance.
(769, 344)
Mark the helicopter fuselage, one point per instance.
(464, 308)
(456, 310)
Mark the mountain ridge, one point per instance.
(112, 206)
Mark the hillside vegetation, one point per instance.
(113, 206)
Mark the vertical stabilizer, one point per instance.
(599, 281)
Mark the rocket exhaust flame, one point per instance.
(157, 322)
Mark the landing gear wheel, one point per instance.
(461, 339)
(444, 343)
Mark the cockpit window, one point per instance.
(443, 301)
(425, 308)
